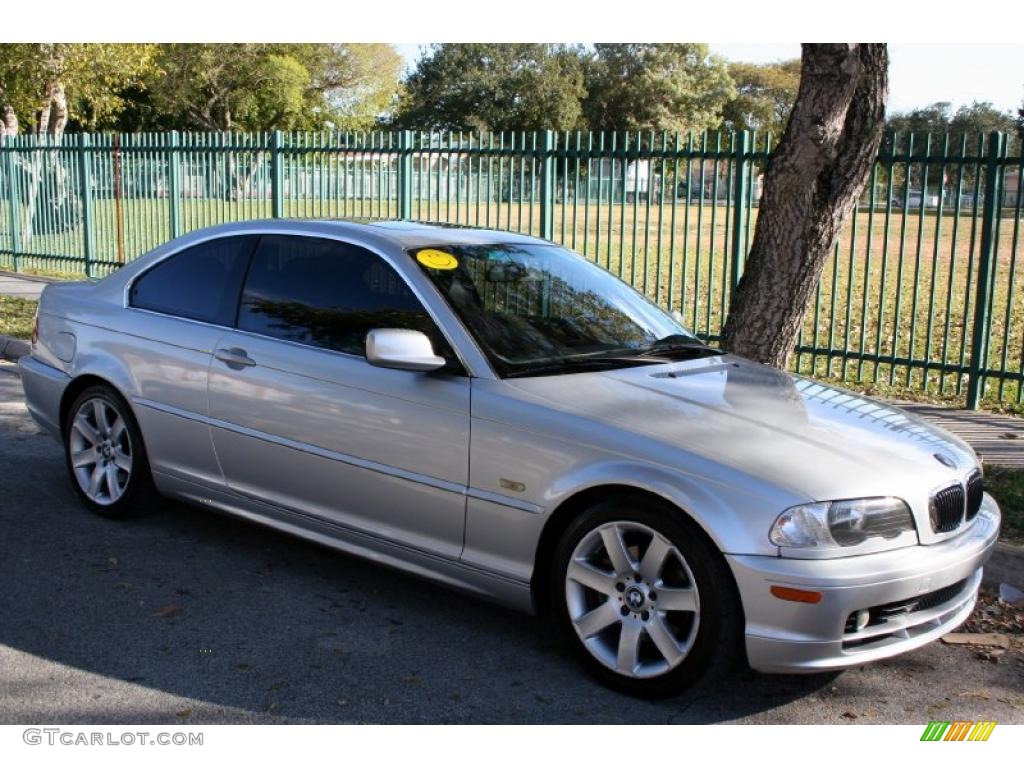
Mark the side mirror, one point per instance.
(403, 349)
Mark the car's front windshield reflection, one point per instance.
(537, 308)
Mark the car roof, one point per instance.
(408, 234)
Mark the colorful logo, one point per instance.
(958, 730)
(434, 259)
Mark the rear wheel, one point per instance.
(105, 456)
(643, 598)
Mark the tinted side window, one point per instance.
(327, 294)
(201, 282)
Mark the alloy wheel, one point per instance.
(100, 451)
(632, 599)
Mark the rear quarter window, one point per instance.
(199, 283)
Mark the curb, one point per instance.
(1005, 566)
(29, 278)
(12, 349)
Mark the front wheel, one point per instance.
(644, 600)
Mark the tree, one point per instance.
(981, 118)
(934, 118)
(764, 96)
(44, 85)
(360, 83)
(494, 87)
(939, 119)
(1020, 124)
(814, 179)
(655, 86)
(48, 84)
(273, 86)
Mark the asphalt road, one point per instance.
(185, 616)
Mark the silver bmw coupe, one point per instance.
(494, 412)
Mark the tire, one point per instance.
(667, 649)
(101, 435)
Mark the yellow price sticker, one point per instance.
(435, 259)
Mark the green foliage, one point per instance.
(656, 86)
(765, 94)
(939, 118)
(360, 83)
(1007, 487)
(934, 118)
(269, 86)
(95, 77)
(494, 87)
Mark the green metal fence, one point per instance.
(920, 293)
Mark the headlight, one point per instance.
(844, 523)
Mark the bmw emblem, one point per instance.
(945, 459)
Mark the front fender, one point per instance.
(735, 520)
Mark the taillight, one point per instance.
(35, 329)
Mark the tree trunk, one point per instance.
(45, 108)
(53, 118)
(59, 116)
(814, 180)
(8, 121)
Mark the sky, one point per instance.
(919, 73)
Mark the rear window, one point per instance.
(200, 283)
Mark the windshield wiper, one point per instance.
(677, 344)
(569, 364)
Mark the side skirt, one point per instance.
(452, 573)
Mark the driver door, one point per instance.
(300, 419)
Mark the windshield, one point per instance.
(540, 309)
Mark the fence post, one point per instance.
(277, 176)
(14, 200)
(547, 187)
(741, 182)
(174, 182)
(986, 258)
(85, 191)
(405, 142)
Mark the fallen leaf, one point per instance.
(1010, 594)
(976, 695)
(987, 639)
(186, 712)
(991, 655)
(170, 611)
(849, 715)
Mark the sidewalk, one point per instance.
(997, 439)
(22, 286)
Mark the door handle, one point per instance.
(234, 357)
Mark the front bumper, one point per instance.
(44, 387)
(919, 594)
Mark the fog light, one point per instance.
(863, 617)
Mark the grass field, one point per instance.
(898, 288)
(16, 316)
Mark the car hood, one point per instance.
(814, 440)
